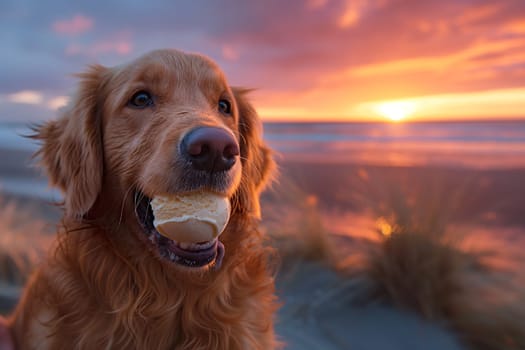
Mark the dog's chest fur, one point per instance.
(96, 300)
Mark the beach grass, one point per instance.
(420, 272)
(417, 259)
(24, 240)
(420, 263)
(294, 226)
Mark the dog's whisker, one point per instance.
(123, 205)
(138, 197)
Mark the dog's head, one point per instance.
(166, 123)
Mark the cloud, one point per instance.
(37, 98)
(24, 106)
(57, 102)
(351, 14)
(515, 27)
(25, 97)
(121, 47)
(77, 25)
(476, 14)
(444, 62)
(229, 53)
(316, 56)
(315, 4)
(354, 10)
(277, 112)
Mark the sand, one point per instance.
(322, 309)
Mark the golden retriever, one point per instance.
(166, 123)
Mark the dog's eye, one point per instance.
(225, 107)
(141, 99)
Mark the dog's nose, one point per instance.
(210, 149)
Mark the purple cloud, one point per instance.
(77, 25)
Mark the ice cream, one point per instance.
(193, 217)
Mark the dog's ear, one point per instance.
(72, 150)
(257, 161)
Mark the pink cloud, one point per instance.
(230, 53)
(77, 25)
(516, 27)
(479, 13)
(118, 46)
(315, 4)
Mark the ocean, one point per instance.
(487, 144)
(480, 145)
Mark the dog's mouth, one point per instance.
(194, 255)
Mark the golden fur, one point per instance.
(102, 287)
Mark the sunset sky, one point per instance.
(309, 60)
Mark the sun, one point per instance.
(396, 110)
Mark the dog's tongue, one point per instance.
(199, 257)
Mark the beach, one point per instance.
(323, 213)
(396, 215)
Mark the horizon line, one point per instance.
(379, 121)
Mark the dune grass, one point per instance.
(417, 261)
(24, 239)
(420, 264)
(429, 275)
(294, 226)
